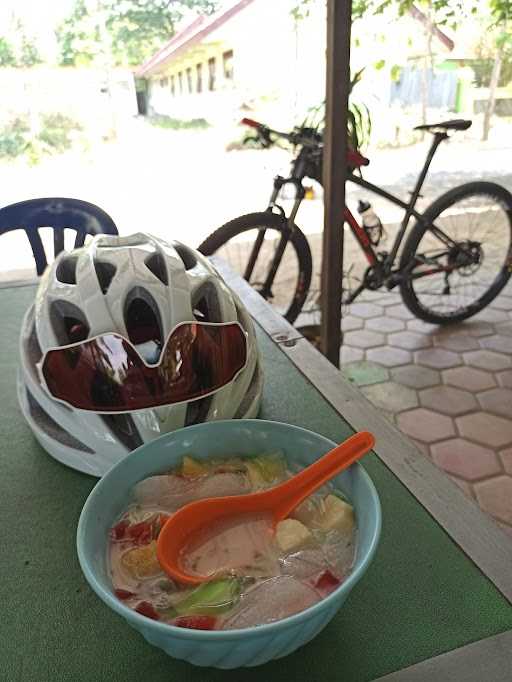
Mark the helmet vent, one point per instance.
(51, 428)
(105, 273)
(205, 304)
(197, 410)
(66, 270)
(33, 351)
(143, 321)
(68, 322)
(156, 264)
(186, 255)
(123, 427)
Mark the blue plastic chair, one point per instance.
(59, 214)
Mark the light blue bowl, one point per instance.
(231, 648)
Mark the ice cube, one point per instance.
(272, 600)
(339, 551)
(304, 563)
(223, 485)
(171, 492)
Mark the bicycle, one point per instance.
(441, 269)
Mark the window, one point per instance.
(180, 81)
(199, 75)
(227, 61)
(164, 82)
(211, 74)
(173, 86)
(189, 79)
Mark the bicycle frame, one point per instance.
(385, 265)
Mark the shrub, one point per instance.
(162, 121)
(13, 138)
(56, 131)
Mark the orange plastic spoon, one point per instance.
(278, 502)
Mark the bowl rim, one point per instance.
(141, 622)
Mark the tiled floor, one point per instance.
(448, 388)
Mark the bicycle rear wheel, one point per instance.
(460, 259)
(234, 242)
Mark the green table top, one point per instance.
(421, 597)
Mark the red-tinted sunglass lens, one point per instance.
(106, 374)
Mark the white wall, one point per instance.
(275, 60)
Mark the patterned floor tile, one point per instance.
(349, 322)
(348, 355)
(409, 340)
(437, 358)
(449, 388)
(465, 459)
(506, 460)
(457, 343)
(497, 401)
(399, 311)
(365, 310)
(503, 344)
(363, 338)
(486, 429)
(477, 329)
(505, 378)
(504, 328)
(416, 376)
(494, 497)
(425, 425)
(385, 324)
(487, 359)
(468, 378)
(448, 400)
(423, 327)
(365, 373)
(391, 396)
(502, 303)
(389, 357)
(492, 315)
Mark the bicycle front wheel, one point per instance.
(460, 258)
(252, 245)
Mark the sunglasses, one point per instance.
(107, 374)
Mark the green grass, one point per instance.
(161, 121)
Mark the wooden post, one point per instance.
(339, 18)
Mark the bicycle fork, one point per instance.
(288, 222)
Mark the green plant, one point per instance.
(7, 56)
(54, 137)
(162, 121)
(359, 123)
(56, 132)
(13, 138)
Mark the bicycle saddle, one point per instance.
(455, 124)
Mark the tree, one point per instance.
(135, 28)
(7, 56)
(78, 36)
(501, 10)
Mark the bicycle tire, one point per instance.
(271, 221)
(471, 189)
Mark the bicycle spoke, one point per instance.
(238, 255)
(475, 235)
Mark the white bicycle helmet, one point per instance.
(115, 285)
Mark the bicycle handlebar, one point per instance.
(265, 132)
(354, 158)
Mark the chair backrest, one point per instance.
(58, 213)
